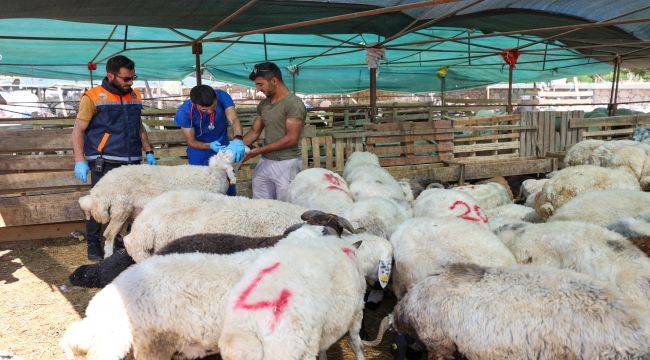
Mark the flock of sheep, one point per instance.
(475, 275)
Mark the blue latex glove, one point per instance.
(238, 149)
(216, 146)
(151, 160)
(81, 171)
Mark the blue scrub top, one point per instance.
(189, 116)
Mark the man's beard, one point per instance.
(120, 88)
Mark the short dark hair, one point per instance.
(114, 64)
(203, 95)
(267, 70)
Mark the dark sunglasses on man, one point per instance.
(127, 78)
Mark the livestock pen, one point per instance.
(414, 141)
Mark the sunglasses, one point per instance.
(127, 78)
(256, 71)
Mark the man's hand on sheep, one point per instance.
(238, 149)
(216, 146)
(253, 153)
(81, 171)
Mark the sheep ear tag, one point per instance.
(230, 173)
(383, 273)
(357, 244)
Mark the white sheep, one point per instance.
(422, 245)
(121, 191)
(363, 190)
(521, 312)
(435, 203)
(600, 155)
(529, 189)
(633, 226)
(574, 180)
(378, 216)
(489, 195)
(580, 153)
(157, 308)
(320, 189)
(583, 247)
(357, 159)
(510, 214)
(603, 207)
(294, 302)
(180, 213)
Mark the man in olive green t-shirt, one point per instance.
(282, 116)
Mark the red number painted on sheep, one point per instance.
(480, 217)
(349, 252)
(336, 183)
(277, 306)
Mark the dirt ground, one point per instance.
(37, 302)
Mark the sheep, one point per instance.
(489, 195)
(102, 273)
(320, 189)
(357, 159)
(510, 214)
(521, 312)
(603, 207)
(636, 229)
(157, 308)
(422, 245)
(364, 190)
(294, 302)
(121, 191)
(641, 135)
(572, 181)
(180, 213)
(529, 189)
(580, 153)
(435, 203)
(378, 216)
(583, 247)
(601, 155)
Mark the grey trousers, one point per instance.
(271, 178)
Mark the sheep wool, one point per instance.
(583, 247)
(294, 302)
(521, 312)
(180, 213)
(580, 153)
(510, 214)
(422, 245)
(121, 191)
(436, 203)
(489, 195)
(320, 189)
(603, 207)
(357, 159)
(376, 215)
(575, 180)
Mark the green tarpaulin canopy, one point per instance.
(325, 58)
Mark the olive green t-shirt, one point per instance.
(274, 117)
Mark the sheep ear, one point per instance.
(291, 229)
(357, 244)
(383, 272)
(345, 224)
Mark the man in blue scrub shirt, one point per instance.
(204, 121)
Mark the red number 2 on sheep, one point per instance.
(478, 214)
(277, 306)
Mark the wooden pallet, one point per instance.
(485, 139)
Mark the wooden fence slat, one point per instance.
(358, 145)
(406, 149)
(611, 121)
(373, 140)
(328, 152)
(487, 120)
(486, 147)
(21, 182)
(590, 134)
(40, 209)
(315, 150)
(340, 154)
(13, 163)
(460, 139)
(304, 150)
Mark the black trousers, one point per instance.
(93, 228)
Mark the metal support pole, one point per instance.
(618, 81)
(91, 79)
(509, 107)
(373, 95)
(293, 82)
(610, 106)
(443, 102)
(197, 49)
